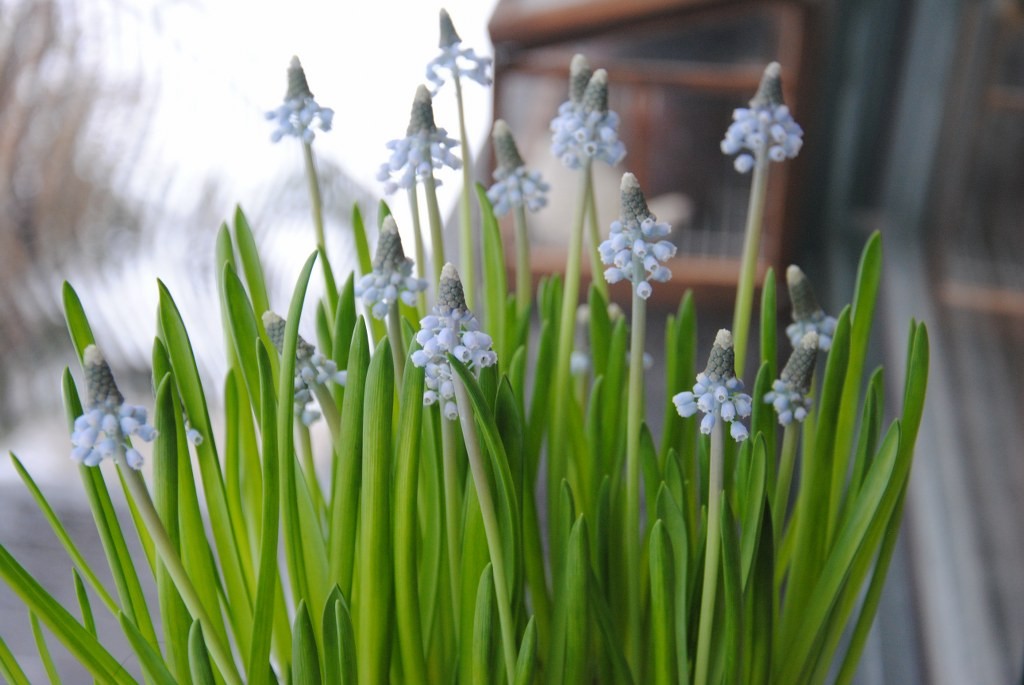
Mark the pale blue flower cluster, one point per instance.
(299, 112)
(391, 279)
(455, 59)
(789, 393)
(108, 422)
(312, 369)
(766, 127)
(717, 392)
(585, 128)
(808, 316)
(635, 250)
(451, 329)
(424, 148)
(515, 185)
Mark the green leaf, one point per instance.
(339, 641)
(250, 259)
(808, 620)
(80, 642)
(230, 536)
(11, 670)
(769, 317)
(374, 559)
(732, 585)
(243, 331)
(575, 595)
(152, 662)
(166, 453)
(348, 462)
(407, 530)
(662, 615)
(753, 491)
(485, 628)
(680, 359)
(200, 667)
(526, 666)
(359, 234)
(672, 519)
(267, 570)
(79, 561)
(759, 605)
(78, 324)
(305, 657)
(495, 283)
(44, 651)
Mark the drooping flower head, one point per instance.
(764, 128)
(585, 128)
(808, 315)
(311, 368)
(299, 113)
(450, 329)
(718, 393)
(455, 59)
(789, 393)
(391, 278)
(514, 185)
(424, 148)
(108, 422)
(635, 250)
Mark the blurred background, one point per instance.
(130, 130)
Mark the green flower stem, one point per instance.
(172, 562)
(395, 335)
(748, 265)
(634, 419)
(524, 276)
(318, 225)
(467, 251)
(491, 529)
(421, 258)
(785, 478)
(329, 409)
(452, 512)
(309, 469)
(566, 328)
(712, 548)
(436, 228)
(596, 267)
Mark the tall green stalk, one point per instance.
(634, 420)
(491, 529)
(467, 250)
(316, 204)
(751, 251)
(712, 549)
(436, 225)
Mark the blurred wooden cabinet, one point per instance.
(677, 69)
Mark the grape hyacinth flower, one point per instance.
(766, 127)
(717, 393)
(424, 148)
(635, 251)
(455, 59)
(808, 315)
(789, 392)
(108, 422)
(451, 329)
(299, 112)
(391, 279)
(312, 369)
(514, 186)
(585, 128)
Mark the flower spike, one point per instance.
(424, 148)
(455, 59)
(634, 251)
(300, 112)
(717, 393)
(807, 313)
(391, 278)
(312, 369)
(108, 422)
(514, 185)
(585, 128)
(451, 329)
(789, 392)
(766, 127)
